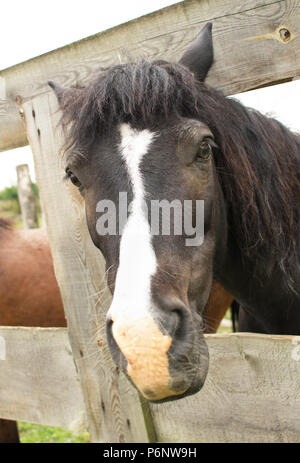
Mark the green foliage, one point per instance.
(37, 434)
(35, 190)
(10, 208)
(10, 192)
(9, 203)
(225, 329)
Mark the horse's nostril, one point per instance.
(175, 315)
(178, 322)
(184, 324)
(109, 324)
(180, 318)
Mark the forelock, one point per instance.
(141, 94)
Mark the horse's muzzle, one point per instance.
(159, 351)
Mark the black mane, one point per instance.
(140, 93)
(258, 160)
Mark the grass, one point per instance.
(225, 329)
(38, 434)
(9, 208)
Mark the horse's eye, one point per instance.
(204, 151)
(73, 178)
(75, 181)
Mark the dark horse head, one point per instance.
(157, 134)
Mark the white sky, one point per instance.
(31, 27)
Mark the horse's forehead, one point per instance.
(134, 143)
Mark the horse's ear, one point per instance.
(200, 55)
(62, 93)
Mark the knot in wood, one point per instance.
(285, 34)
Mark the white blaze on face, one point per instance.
(134, 329)
(137, 261)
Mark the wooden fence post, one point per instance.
(114, 409)
(9, 432)
(26, 197)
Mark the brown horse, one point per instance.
(219, 301)
(29, 294)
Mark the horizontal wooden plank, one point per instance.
(38, 380)
(249, 51)
(251, 394)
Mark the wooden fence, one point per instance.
(26, 197)
(252, 390)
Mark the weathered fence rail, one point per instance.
(251, 393)
(250, 51)
(252, 389)
(38, 380)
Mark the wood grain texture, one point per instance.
(248, 52)
(26, 197)
(38, 381)
(251, 394)
(113, 408)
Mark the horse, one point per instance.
(29, 294)
(218, 304)
(145, 132)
